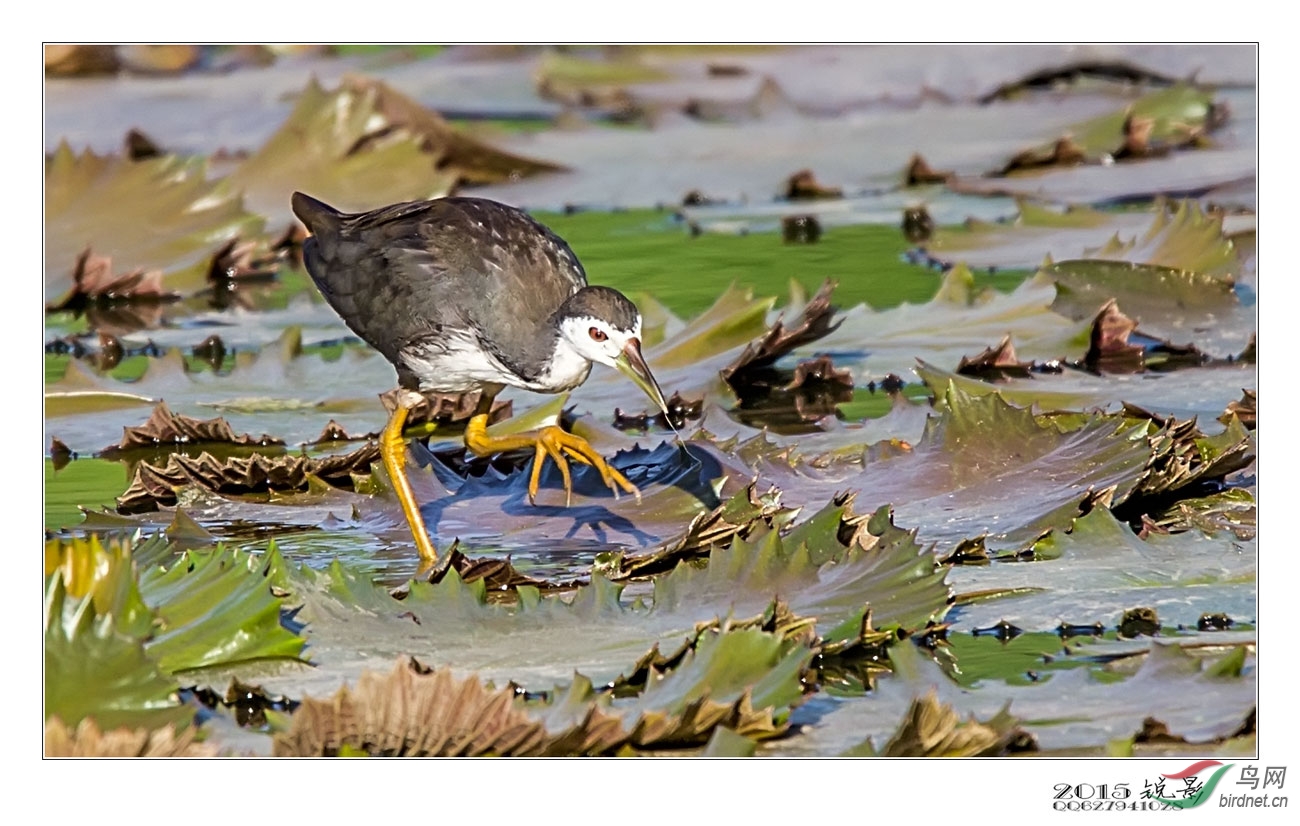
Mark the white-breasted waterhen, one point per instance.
(464, 294)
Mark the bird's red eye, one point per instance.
(597, 334)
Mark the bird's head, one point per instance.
(602, 325)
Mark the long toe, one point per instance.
(546, 446)
(558, 444)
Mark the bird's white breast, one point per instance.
(459, 364)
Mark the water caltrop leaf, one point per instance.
(86, 739)
(1100, 567)
(413, 711)
(93, 669)
(149, 226)
(1180, 236)
(1148, 291)
(745, 680)
(934, 729)
(817, 574)
(1156, 122)
(322, 148)
(993, 469)
(1066, 709)
(216, 608)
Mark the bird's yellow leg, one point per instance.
(550, 441)
(392, 447)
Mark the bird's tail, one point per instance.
(318, 216)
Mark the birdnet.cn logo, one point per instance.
(1209, 781)
(1230, 785)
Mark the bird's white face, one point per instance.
(594, 339)
(597, 340)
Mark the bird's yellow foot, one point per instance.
(554, 442)
(392, 448)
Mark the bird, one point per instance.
(465, 294)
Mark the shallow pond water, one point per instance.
(1094, 470)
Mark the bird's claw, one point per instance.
(558, 443)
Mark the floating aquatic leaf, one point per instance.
(1100, 567)
(74, 402)
(1069, 709)
(992, 469)
(1182, 394)
(958, 321)
(934, 729)
(412, 712)
(164, 427)
(216, 608)
(1171, 118)
(152, 486)
(339, 147)
(192, 610)
(87, 740)
(831, 567)
(814, 323)
(158, 220)
(995, 362)
(1186, 238)
(94, 669)
(1243, 409)
(726, 743)
(1161, 297)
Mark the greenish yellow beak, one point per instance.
(632, 364)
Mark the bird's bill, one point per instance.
(632, 364)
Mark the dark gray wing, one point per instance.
(411, 274)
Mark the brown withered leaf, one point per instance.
(814, 323)
(152, 486)
(289, 244)
(1137, 139)
(167, 428)
(818, 371)
(918, 224)
(1065, 152)
(738, 516)
(919, 173)
(138, 146)
(995, 363)
(237, 261)
(1244, 410)
(413, 712)
(803, 185)
(446, 408)
(93, 277)
(60, 454)
(934, 729)
(1108, 348)
(680, 410)
(497, 574)
(86, 740)
(74, 59)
